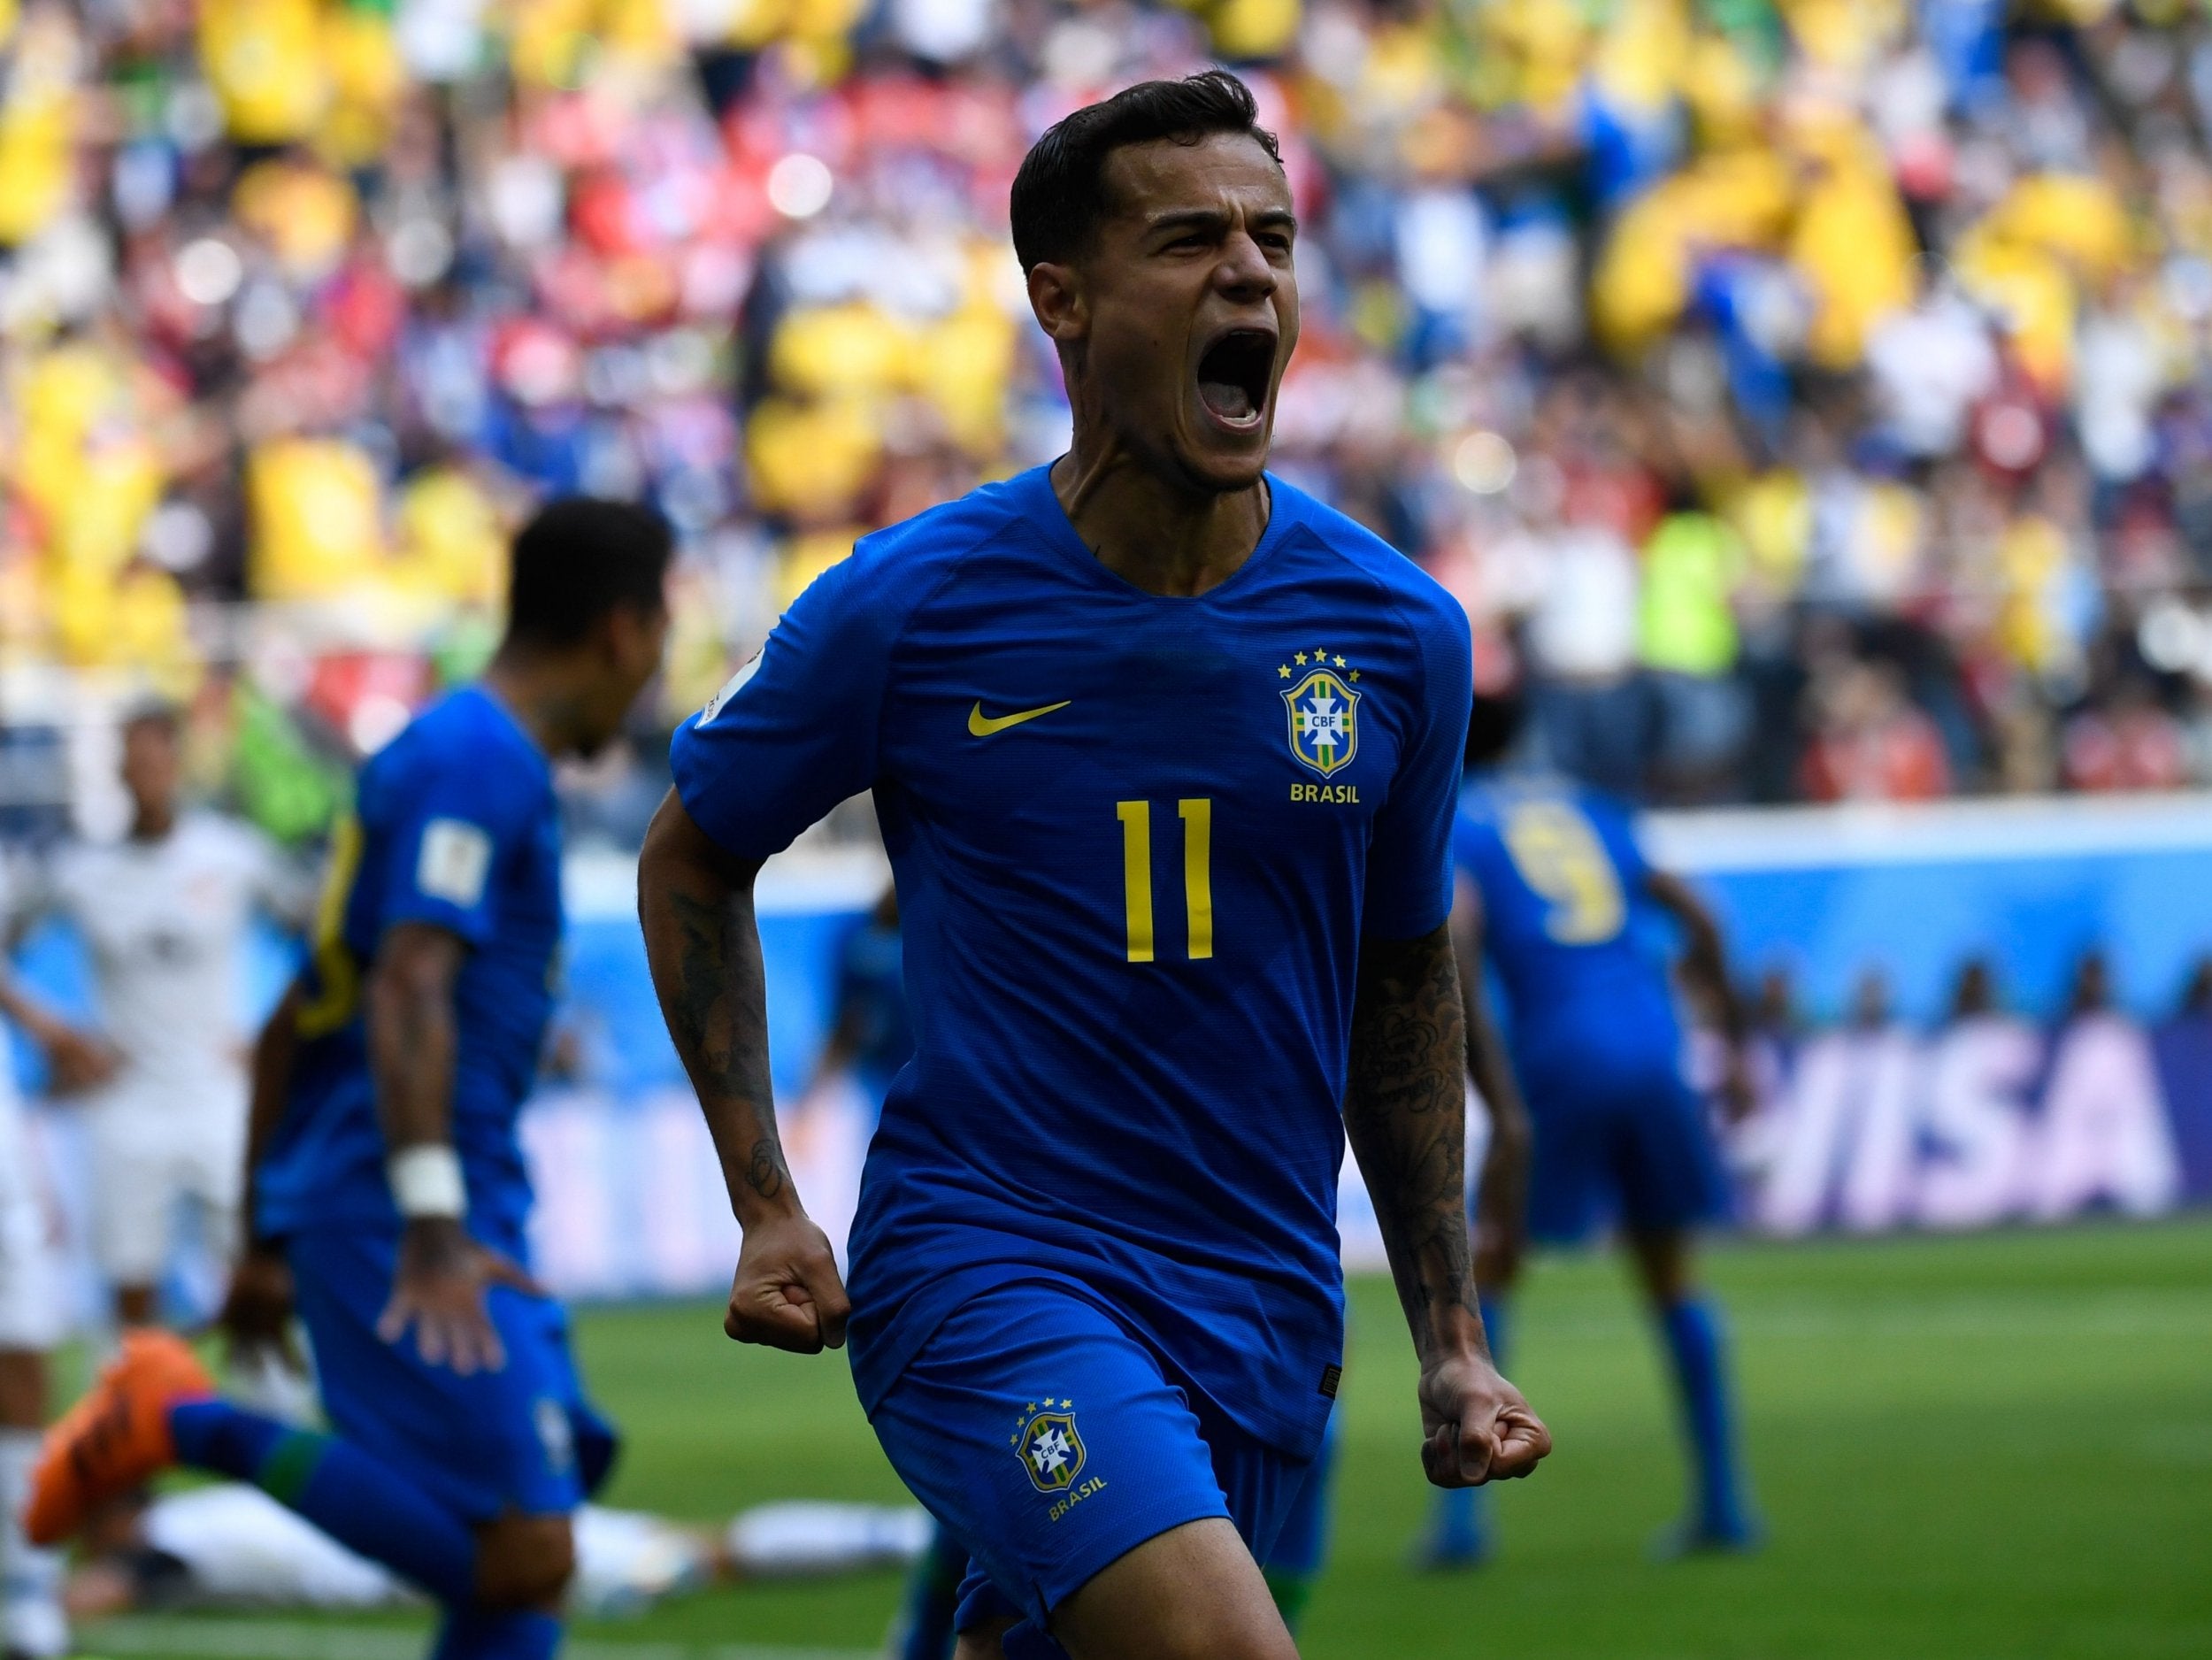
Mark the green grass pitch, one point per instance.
(1986, 1449)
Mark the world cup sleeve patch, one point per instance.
(717, 703)
(456, 857)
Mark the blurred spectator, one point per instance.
(1870, 744)
(1687, 638)
(2125, 742)
(1674, 336)
(1592, 712)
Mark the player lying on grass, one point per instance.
(1556, 898)
(1166, 753)
(227, 1545)
(388, 1182)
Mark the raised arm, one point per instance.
(695, 903)
(1405, 1113)
(1705, 965)
(1501, 1191)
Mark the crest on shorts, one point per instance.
(1323, 710)
(1051, 1450)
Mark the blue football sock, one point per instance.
(1459, 1520)
(488, 1636)
(1696, 1349)
(357, 1499)
(933, 1599)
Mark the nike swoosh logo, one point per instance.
(983, 726)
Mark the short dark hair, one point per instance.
(580, 558)
(153, 709)
(1060, 193)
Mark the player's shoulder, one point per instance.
(203, 836)
(950, 530)
(1425, 604)
(865, 599)
(1483, 804)
(1601, 806)
(210, 828)
(465, 740)
(1492, 796)
(73, 870)
(903, 562)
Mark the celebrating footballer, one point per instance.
(1166, 755)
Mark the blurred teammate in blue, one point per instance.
(870, 1037)
(1166, 754)
(1594, 1122)
(388, 1188)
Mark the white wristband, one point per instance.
(426, 1182)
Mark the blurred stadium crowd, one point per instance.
(1807, 398)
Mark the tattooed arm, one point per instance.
(1405, 1110)
(696, 904)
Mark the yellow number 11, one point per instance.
(1197, 815)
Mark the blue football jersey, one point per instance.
(455, 824)
(1570, 930)
(1137, 841)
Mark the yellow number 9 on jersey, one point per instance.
(336, 982)
(1563, 860)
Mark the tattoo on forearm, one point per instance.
(1405, 1112)
(712, 995)
(764, 1172)
(717, 1022)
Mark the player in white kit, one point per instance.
(165, 914)
(31, 1623)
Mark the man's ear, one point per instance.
(1056, 298)
(615, 638)
(642, 636)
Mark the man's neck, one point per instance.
(541, 705)
(1161, 536)
(153, 827)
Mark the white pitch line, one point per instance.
(2153, 1314)
(186, 1637)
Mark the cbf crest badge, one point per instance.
(1051, 1449)
(1324, 709)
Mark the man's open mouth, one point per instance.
(1234, 374)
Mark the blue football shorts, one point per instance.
(1050, 1438)
(523, 1438)
(1633, 1150)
